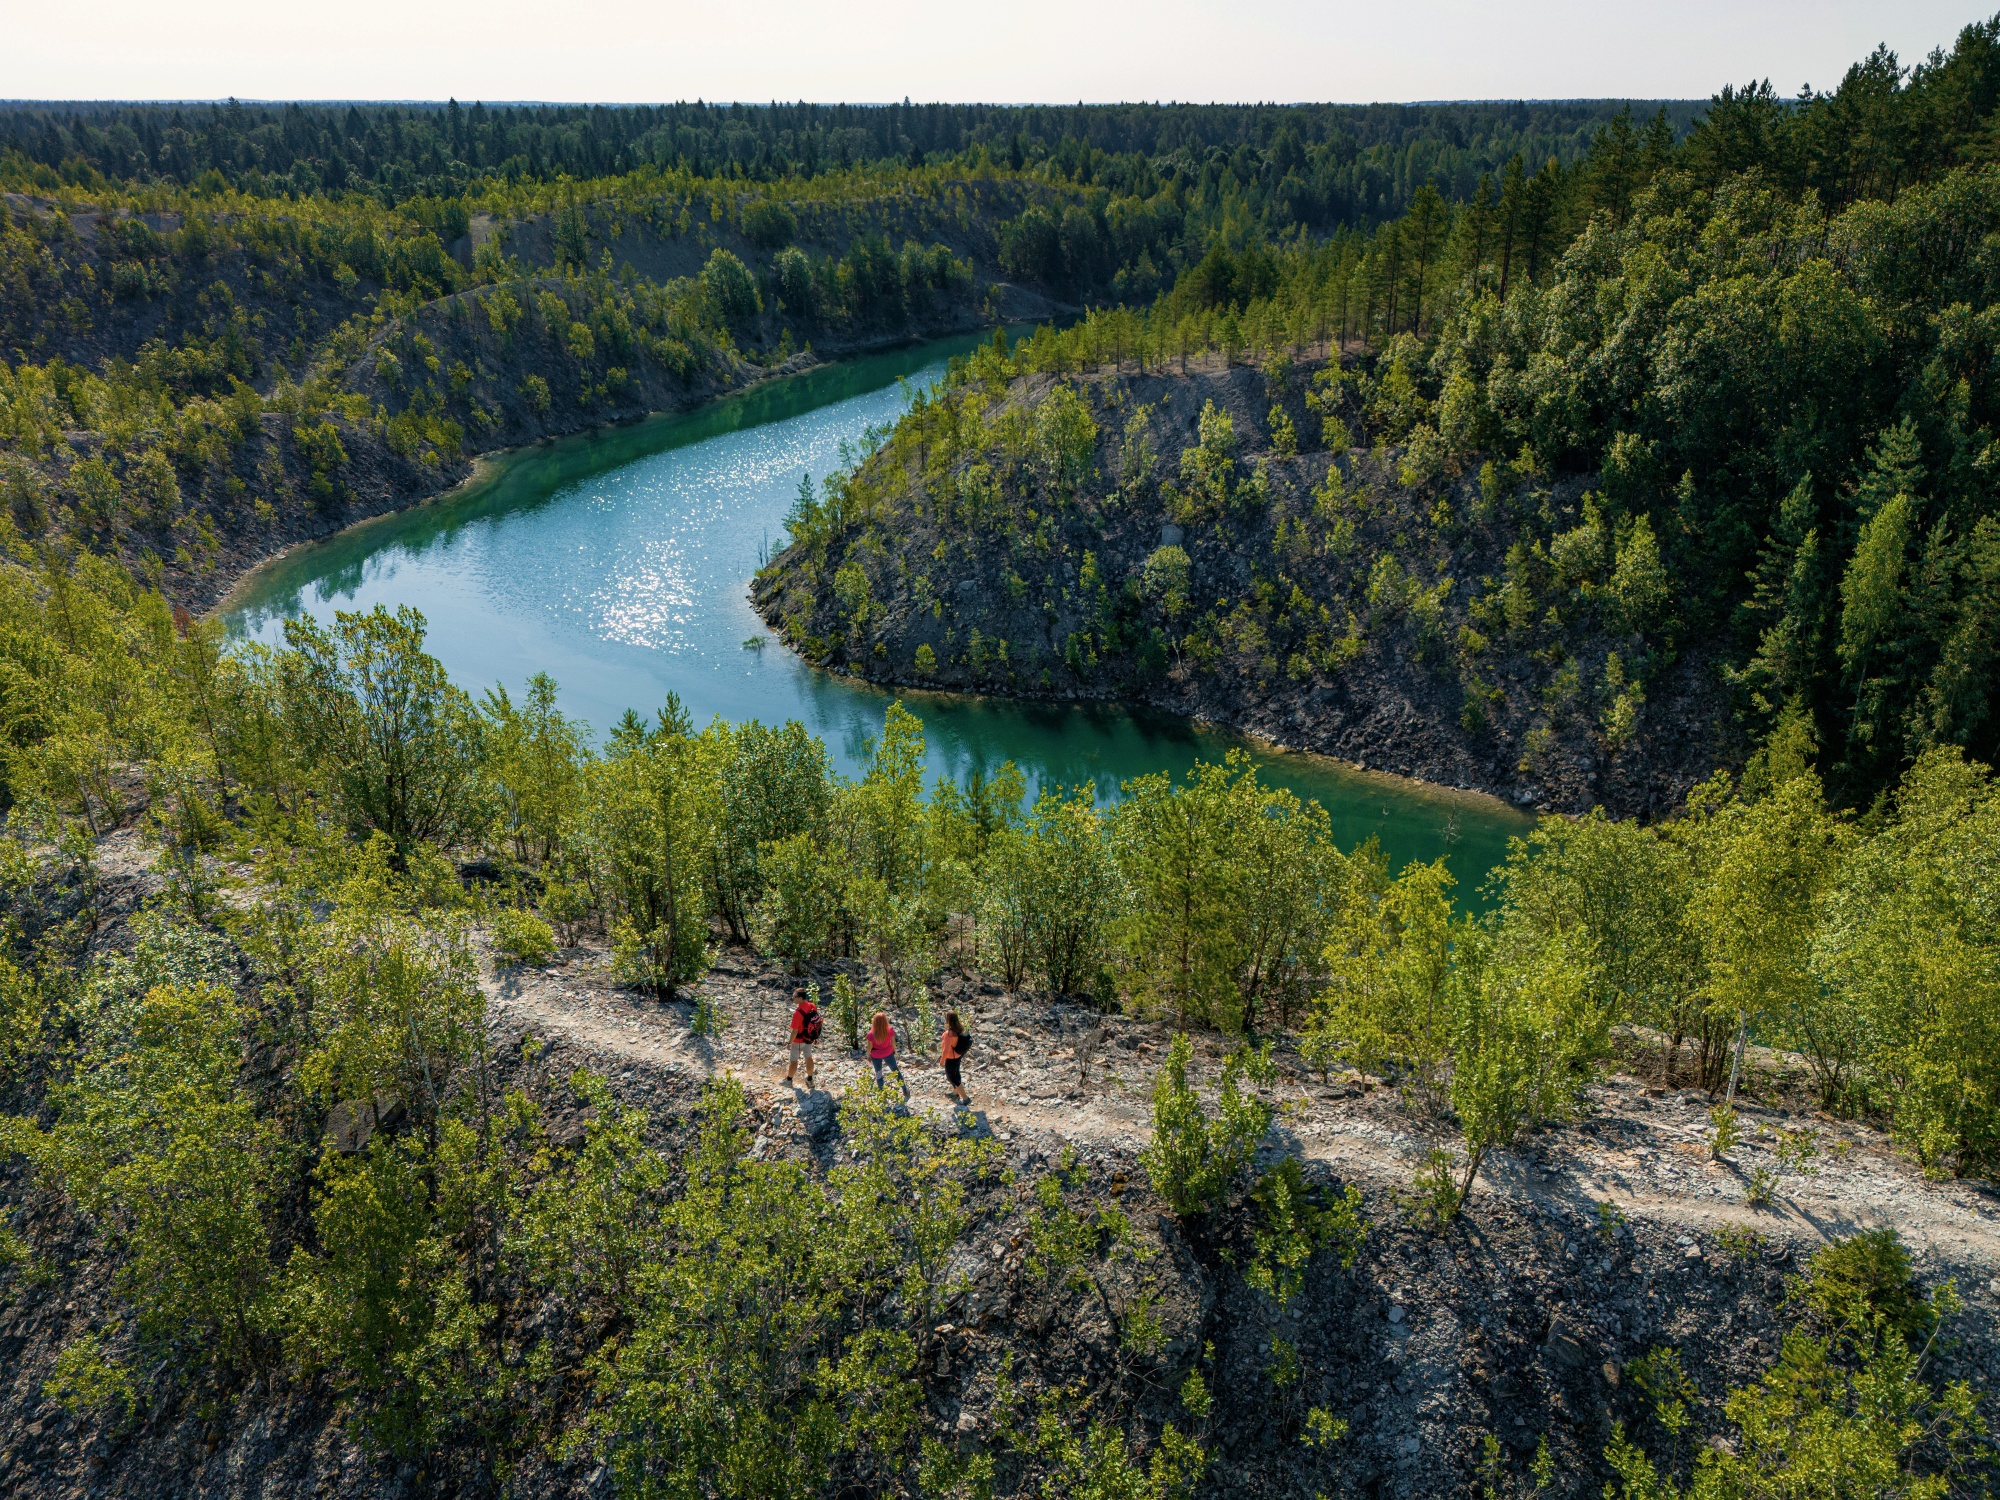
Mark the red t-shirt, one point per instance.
(799, 1020)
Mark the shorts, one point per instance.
(951, 1072)
(798, 1050)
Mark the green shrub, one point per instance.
(522, 937)
(1194, 1157)
(769, 224)
(87, 1379)
(1866, 1282)
(1299, 1220)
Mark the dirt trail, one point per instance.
(1643, 1151)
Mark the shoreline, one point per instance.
(1480, 798)
(487, 464)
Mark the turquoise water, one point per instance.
(618, 563)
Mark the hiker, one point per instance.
(882, 1050)
(805, 1032)
(952, 1047)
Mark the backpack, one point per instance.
(964, 1043)
(809, 1026)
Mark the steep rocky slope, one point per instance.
(198, 391)
(1461, 629)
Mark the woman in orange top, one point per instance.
(951, 1051)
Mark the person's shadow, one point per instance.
(974, 1124)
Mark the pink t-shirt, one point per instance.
(882, 1046)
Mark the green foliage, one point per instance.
(1164, 579)
(157, 1143)
(1389, 964)
(650, 825)
(730, 287)
(1096, 1464)
(400, 746)
(1526, 1035)
(391, 993)
(1231, 887)
(1819, 1427)
(846, 1009)
(1065, 438)
(1723, 1133)
(1194, 1157)
(1435, 1195)
(536, 754)
(1763, 1188)
(1299, 1221)
(1865, 1284)
(800, 910)
(1740, 1244)
(522, 937)
(1050, 893)
(86, 1379)
(774, 786)
(1065, 1244)
(769, 223)
(1907, 950)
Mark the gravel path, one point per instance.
(1640, 1149)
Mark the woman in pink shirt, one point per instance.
(882, 1051)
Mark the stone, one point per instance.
(1170, 535)
(1395, 1314)
(1566, 1344)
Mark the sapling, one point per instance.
(1763, 1187)
(1193, 1158)
(846, 1008)
(1723, 1132)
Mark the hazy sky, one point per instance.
(874, 50)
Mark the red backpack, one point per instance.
(808, 1019)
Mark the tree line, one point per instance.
(1340, 163)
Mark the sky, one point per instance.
(1019, 51)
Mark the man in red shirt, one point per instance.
(805, 1032)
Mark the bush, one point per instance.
(1816, 1427)
(730, 287)
(769, 224)
(1193, 1158)
(159, 1148)
(401, 746)
(1299, 1220)
(86, 1379)
(1865, 1282)
(523, 937)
